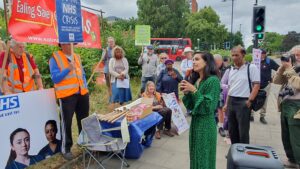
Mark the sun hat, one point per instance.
(187, 49)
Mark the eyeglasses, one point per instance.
(163, 58)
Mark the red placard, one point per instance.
(35, 22)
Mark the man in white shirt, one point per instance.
(187, 63)
(239, 96)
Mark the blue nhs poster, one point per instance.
(69, 20)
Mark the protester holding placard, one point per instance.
(21, 73)
(70, 86)
(54, 145)
(149, 66)
(160, 107)
(202, 94)
(118, 69)
(20, 145)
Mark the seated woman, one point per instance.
(20, 145)
(158, 106)
(54, 145)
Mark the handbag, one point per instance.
(261, 96)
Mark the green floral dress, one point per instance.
(203, 130)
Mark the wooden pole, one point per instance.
(103, 55)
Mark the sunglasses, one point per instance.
(163, 58)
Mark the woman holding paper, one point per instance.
(120, 82)
(201, 95)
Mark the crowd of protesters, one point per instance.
(218, 93)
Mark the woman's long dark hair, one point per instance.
(13, 155)
(209, 70)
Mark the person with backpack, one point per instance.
(266, 67)
(21, 73)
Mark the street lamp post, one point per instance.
(198, 41)
(231, 27)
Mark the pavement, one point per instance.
(173, 153)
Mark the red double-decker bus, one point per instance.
(172, 46)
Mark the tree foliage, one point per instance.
(166, 17)
(237, 39)
(272, 42)
(290, 40)
(205, 25)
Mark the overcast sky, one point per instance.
(281, 15)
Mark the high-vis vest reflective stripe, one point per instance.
(73, 82)
(14, 81)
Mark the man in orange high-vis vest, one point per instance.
(21, 73)
(70, 86)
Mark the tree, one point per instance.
(272, 42)
(166, 17)
(206, 26)
(237, 39)
(290, 40)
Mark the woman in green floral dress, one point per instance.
(202, 92)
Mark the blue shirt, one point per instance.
(17, 165)
(47, 152)
(166, 83)
(57, 75)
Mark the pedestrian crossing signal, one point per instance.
(258, 23)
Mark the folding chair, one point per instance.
(92, 140)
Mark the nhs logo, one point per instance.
(7, 103)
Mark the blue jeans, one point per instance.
(145, 80)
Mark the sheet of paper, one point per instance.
(123, 83)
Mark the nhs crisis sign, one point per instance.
(69, 21)
(9, 106)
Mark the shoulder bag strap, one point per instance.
(248, 72)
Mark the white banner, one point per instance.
(256, 58)
(178, 117)
(23, 119)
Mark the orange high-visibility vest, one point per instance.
(73, 82)
(13, 74)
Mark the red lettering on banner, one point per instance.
(35, 22)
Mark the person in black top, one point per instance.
(266, 67)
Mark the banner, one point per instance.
(35, 22)
(142, 35)
(177, 115)
(23, 119)
(69, 21)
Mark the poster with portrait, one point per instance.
(178, 117)
(24, 133)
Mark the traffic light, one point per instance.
(258, 24)
(260, 36)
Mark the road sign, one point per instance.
(69, 20)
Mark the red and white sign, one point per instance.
(35, 22)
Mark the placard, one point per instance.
(69, 21)
(27, 112)
(178, 117)
(142, 35)
(256, 58)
